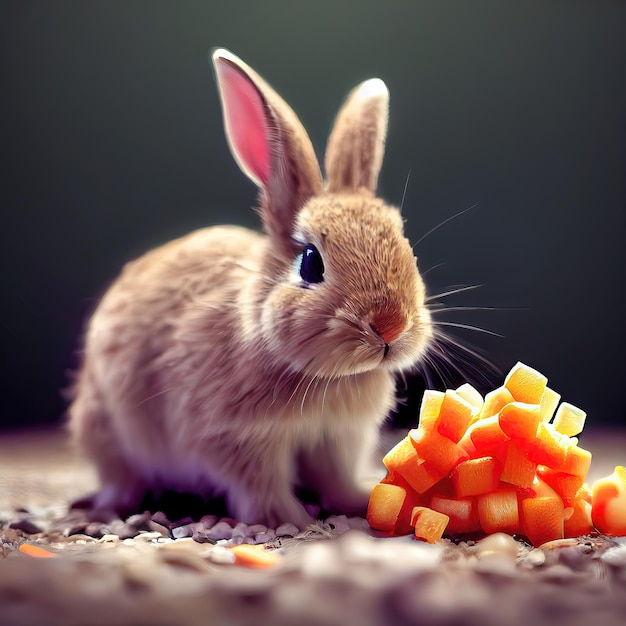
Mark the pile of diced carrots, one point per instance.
(508, 462)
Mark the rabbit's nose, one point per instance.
(388, 325)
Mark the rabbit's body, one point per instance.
(212, 366)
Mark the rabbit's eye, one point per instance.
(311, 265)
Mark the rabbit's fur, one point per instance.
(212, 367)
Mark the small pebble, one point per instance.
(221, 530)
(128, 542)
(140, 520)
(199, 534)
(536, 557)
(240, 532)
(148, 535)
(264, 537)
(221, 555)
(255, 529)
(358, 523)
(287, 530)
(208, 521)
(339, 524)
(498, 543)
(616, 557)
(160, 518)
(182, 531)
(575, 558)
(108, 539)
(164, 531)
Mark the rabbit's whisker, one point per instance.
(467, 327)
(453, 290)
(434, 228)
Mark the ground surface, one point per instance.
(148, 570)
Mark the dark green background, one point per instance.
(112, 142)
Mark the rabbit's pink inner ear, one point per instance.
(245, 122)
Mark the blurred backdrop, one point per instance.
(112, 143)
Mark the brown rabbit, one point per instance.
(241, 364)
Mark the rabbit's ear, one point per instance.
(268, 142)
(356, 145)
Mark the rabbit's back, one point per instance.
(170, 316)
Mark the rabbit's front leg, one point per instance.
(262, 491)
(342, 471)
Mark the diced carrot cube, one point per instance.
(494, 401)
(520, 421)
(403, 525)
(549, 447)
(542, 519)
(462, 514)
(584, 493)
(549, 401)
(577, 461)
(384, 506)
(487, 434)
(401, 455)
(430, 408)
(36, 551)
(255, 556)
(471, 395)
(579, 522)
(498, 511)
(441, 453)
(468, 445)
(541, 489)
(429, 525)
(566, 485)
(404, 460)
(569, 419)
(608, 509)
(476, 476)
(423, 476)
(455, 416)
(518, 469)
(525, 384)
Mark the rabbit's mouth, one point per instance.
(348, 346)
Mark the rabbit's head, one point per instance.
(338, 292)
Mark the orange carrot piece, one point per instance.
(487, 434)
(471, 395)
(579, 522)
(498, 511)
(455, 416)
(566, 485)
(584, 493)
(36, 551)
(476, 476)
(429, 525)
(549, 447)
(441, 453)
(518, 469)
(608, 508)
(384, 507)
(542, 519)
(255, 556)
(429, 409)
(494, 401)
(525, 384)
(569, 419)
(462, 514)
(549, 401)
(520, 421)
(577, 461)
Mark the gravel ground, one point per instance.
(153, 569)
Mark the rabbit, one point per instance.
(245, 365)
